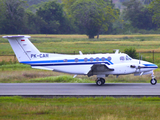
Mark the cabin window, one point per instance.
(128, 58)
(109, 58)
(122, 58)
(91, 59)
(103, 58)
(97, 58)
(76, 60)
(85, 59)
(65, 60)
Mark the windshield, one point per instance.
(128, 58)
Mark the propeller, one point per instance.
(140, 65)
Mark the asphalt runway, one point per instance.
(79, 89)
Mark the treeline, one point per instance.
(90, 17)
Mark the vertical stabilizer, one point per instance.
(22, 47)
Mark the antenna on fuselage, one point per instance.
(80, 52)
(116, 51)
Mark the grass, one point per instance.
(61, 79)
(72, 44)
(19, 73)
(13, 108)
(75, 43)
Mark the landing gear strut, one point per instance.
(153, 80)
(100, 81)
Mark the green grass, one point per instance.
(60, 79)
(19, 73)
(13, 108)
(74, 43)
(106, 43)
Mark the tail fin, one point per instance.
(22, 47)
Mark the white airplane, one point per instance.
(101, 65)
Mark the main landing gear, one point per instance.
(100, 81)
(153, 80)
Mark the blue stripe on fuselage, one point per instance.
(150, 66)
(61, 62)
(65, 64)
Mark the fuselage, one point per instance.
(81, 64)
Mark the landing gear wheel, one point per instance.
(100, 81)
(153, 81)
(103, 80)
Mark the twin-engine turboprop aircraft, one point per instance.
(101, 65)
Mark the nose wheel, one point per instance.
(153, 81)
(100, 81)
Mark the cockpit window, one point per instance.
(128, 58)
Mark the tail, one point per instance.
(23, 48)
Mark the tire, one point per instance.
(153, 81)
(103, 80)
(99, 82)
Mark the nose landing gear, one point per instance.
(100, 81)
(153, 80)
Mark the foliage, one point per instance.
(52, 15)
(131, 52)
(92, 15)
(13, 21)
(33, 23)
(138, 15)
(34, 2)
(155, 8)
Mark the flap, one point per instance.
(96, 68)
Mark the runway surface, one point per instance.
(79, 89)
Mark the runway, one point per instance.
(79, 89)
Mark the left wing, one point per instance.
(98, 68)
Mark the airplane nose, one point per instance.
(151, 65)
(155, 65)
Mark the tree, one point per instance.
(52, 15)
(14, 16)
(155, 9)
(2, 14)
(139, 15)
(92, 15)
(33, 23)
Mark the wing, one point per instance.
(99, 68)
